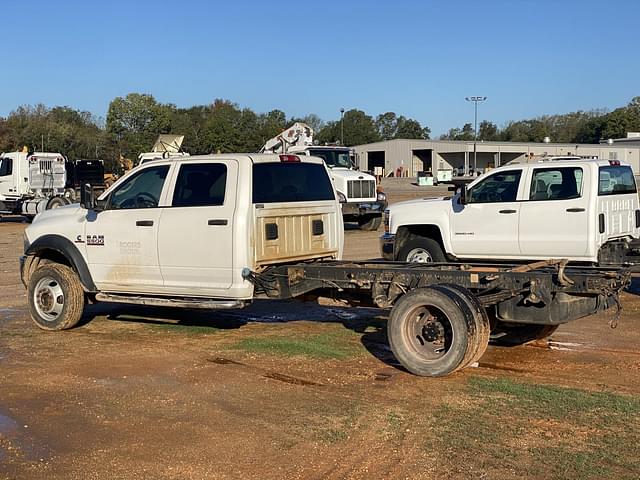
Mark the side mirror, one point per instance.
(87, 198)
(463, 195)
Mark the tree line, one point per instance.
(133, 122)
(575, 127)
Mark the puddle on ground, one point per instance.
(8, 426)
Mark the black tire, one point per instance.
(421, 250)
(56, 202)
(56, 298)
(432, 332)
(483, 325)
(370, 222)
(514, 335)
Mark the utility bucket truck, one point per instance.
(31, 182)
(361, 198)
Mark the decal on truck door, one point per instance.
(95, 240)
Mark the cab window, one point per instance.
(616, 180)
(200, 184)
(6, 167)
(141, 190)
(556, 183)
(499, 187)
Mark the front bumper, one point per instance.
(387, 244)
(358, 209)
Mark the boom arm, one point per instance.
(297, 134)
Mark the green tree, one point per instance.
(359, 128)
(410, 128)
(487, 131)
(134, 122)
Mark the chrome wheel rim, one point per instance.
(419, 255)
(48, 299)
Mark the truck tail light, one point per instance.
(614, 163)
(601, 223)
(289, 158)
(637, 218)
(386, 221)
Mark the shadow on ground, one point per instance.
(369, 322)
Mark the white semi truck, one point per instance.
(31, 182)
(361, 197)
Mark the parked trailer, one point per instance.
(442, 314)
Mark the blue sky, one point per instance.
(417, 58)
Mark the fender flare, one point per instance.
(67, 249)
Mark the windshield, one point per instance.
(332, 157)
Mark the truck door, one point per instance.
(7, 182)
(121, 241)
(195, 243)
(554, 215)
(487, 226)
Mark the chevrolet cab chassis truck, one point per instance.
(219, 231)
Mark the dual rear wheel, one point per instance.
(434, 331)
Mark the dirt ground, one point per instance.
(295, 390)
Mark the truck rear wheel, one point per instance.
(56, 298)
(370, 222)
(432, 331)
(421, 250)
(514, 335)
(483, 325)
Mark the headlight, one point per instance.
(341, 197)
(382, 197)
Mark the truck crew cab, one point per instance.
(585, 211)
(181, 231)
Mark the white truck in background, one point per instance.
(582, 210)
(362, 199)
(31, 182)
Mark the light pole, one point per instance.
(342, 126)
(475, 100)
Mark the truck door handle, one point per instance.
(572, 210)
(144, 223)
(507, 211)
(218, 221)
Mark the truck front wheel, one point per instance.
(56, 298)
(421, 250)
(370, 222)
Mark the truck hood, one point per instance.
(73, 210)
(421, 202)
(347, 174)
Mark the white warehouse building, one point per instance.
(413, 156)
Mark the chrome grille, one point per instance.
(361, 188)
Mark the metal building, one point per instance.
(409, 157)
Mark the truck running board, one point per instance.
(204, 303)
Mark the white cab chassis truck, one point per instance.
(219, 231)
(585, 211)
(362, 199)
(31, 182)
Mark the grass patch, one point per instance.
(322, 346)
(538, 430)
(184, 329)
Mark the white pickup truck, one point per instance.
(219, 231)
(582, 210)
(183, 228)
